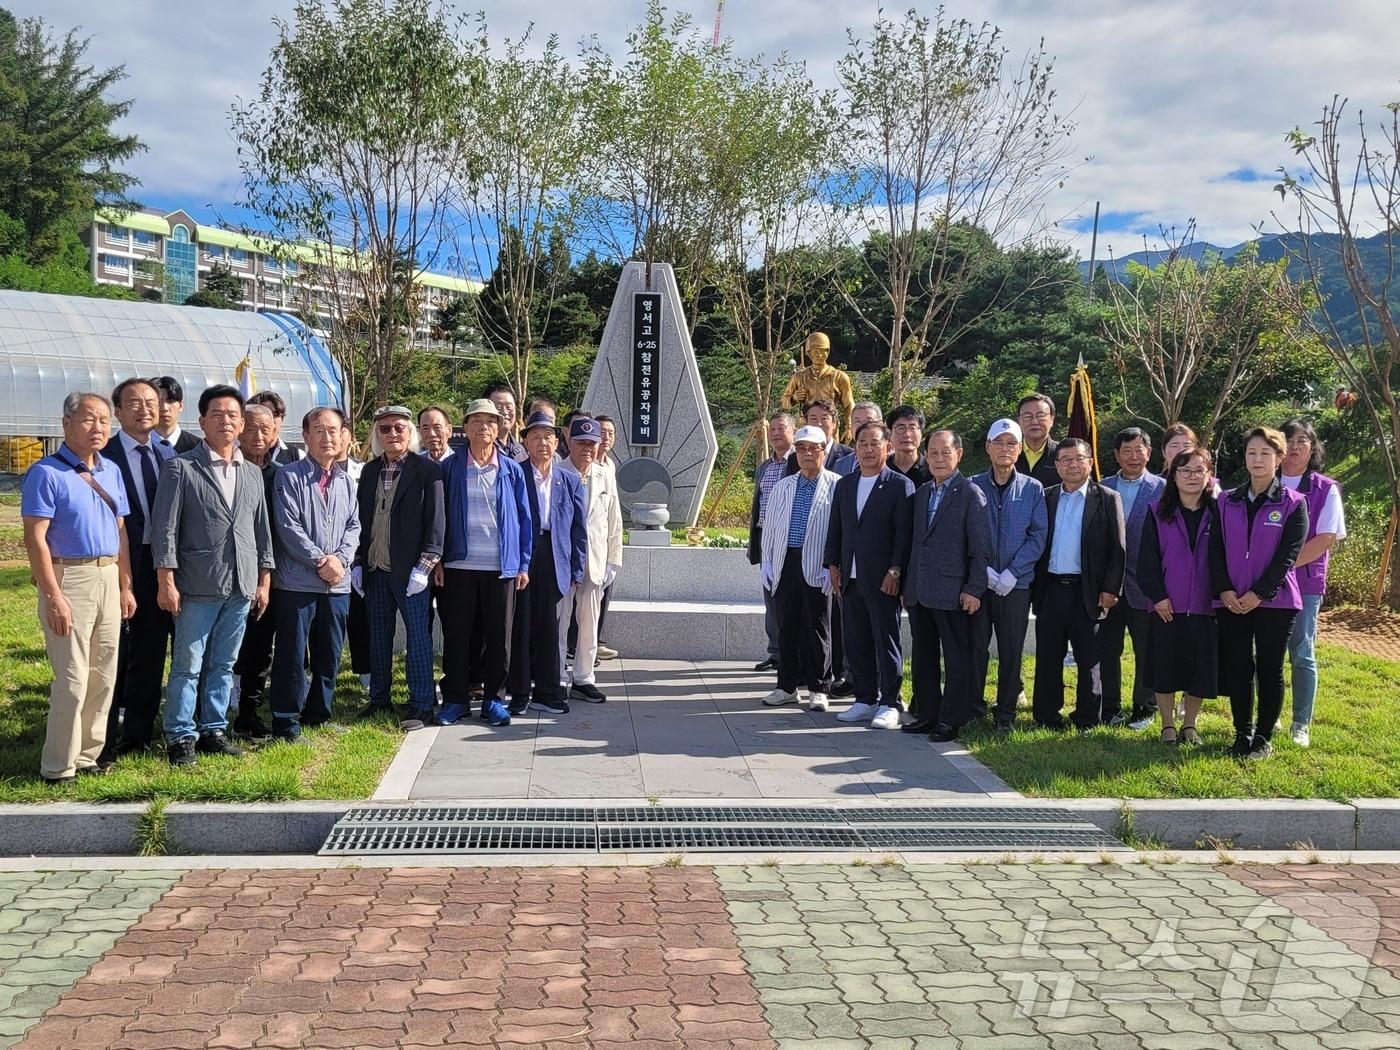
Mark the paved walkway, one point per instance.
(980, 957)
(683, 729)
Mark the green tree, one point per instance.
(58, 152)
(355, 139)
(223, 290)
(943, 136)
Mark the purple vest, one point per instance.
(1249, 550)
(1314, 487)
(1185, 572)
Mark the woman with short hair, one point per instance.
(1257, 531)
(1173, 571)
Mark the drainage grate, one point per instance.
(717, 837)
(469, 829)
(458, 838)
(469, 814)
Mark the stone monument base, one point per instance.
(648, 538)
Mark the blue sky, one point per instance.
(1182, 105)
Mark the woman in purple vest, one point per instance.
(1173, 570)
(1302, 472)
(1257, 531)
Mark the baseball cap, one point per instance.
(814, 434)
(482, 406)
(539, 419)
(392, 410)
(585, 428)
(1004, 426)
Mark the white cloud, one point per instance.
(1170, 97)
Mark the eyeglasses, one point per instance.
(1072, 459)
(1191, 472)
(324, 431)
(1034, 415)
(393, 428)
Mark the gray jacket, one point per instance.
(307, 526)
(215, 552)
(949, 556)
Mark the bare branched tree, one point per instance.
(944, 136)
(521, 192)
(1189, 325)
(1344, 194)
(350, 147)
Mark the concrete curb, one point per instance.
(200, 829)
(69, 829)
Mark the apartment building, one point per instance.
(169, 256)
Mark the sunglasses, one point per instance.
(393, 428)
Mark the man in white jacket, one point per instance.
(794, 537)
(604, 558)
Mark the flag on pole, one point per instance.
(1082, 421)
(243, 376)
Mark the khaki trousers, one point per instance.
(84, 668)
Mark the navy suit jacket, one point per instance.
(135, 520)
(950, 554)
(568, 523)
(877, 540)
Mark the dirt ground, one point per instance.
(1370, 632)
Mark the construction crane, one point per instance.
(719, 21)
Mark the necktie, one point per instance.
(148, 474)
(935, 498)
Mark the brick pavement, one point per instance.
(977, 957)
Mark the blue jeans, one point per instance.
(318, 620)
(1302, 654)
(207, 635)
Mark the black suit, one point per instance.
(417, 520)
(145, 638)
(948, 559)
(873, 541)
(839, 669)
(1067, 606)
(1044, 470)
(184, 442)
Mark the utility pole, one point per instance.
(1093, 248)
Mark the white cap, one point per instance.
(814, 434)
(1005, 426)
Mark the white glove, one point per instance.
(417, 582)
(609, 574)
(993, 579)
(357, 580)
(1008, 582)
(765, 573)
(827, 588)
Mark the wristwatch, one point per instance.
(896, 573)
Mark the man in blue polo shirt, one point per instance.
(73, 505)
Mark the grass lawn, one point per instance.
(338, 760)
(1355, 749)
(11, 529)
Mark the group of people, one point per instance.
(251, 563)
(1214, 587)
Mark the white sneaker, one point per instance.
(857, 712)
(606, 652)
(886, 717)
(1302, 735)
(816, 701)
(779, 697)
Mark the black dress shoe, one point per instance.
(375, 711)
(1056, 724)
(766, 665)
(841, 689)
(54, 782)
(181, 752)
(518, 707)
(217, 743)
(251, 727)
(943, 732)
(919, 725)
(1004, 725)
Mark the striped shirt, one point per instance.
(781, 512)
(483, 534)
(801, 510)
(770, 472)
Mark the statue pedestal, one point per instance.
(649, 538)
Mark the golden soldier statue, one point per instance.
(820, 380)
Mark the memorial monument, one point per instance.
(646, 378)
(820, 381)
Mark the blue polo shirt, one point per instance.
(81, 525)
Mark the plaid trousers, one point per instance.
(382, 601)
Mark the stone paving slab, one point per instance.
(681, 728)
(967, 957)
